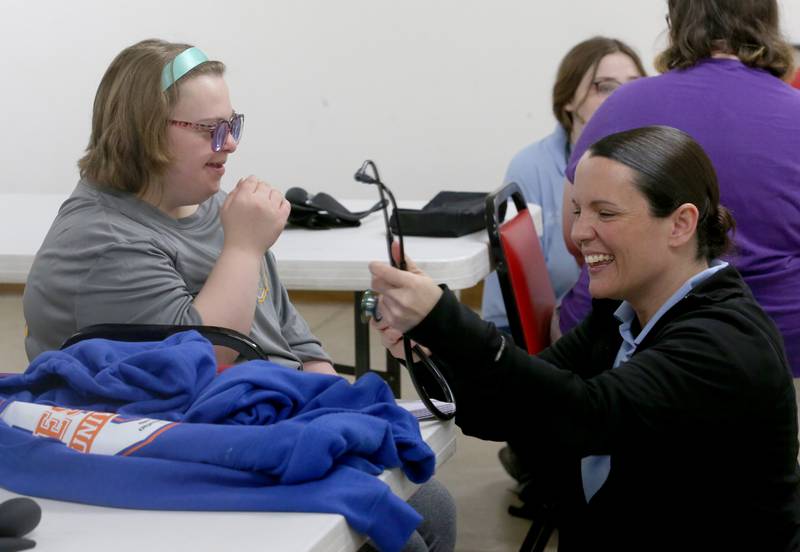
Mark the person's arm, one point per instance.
(319, 367)
(502, 391)
(693, 371)
(567, 218)
(576, 304)
(411, 301)
(253, 216)
(293, 328)
(689, 377)
(505, 394)
(480, 362)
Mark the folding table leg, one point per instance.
(392, 374)
(362, 337)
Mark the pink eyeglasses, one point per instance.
(219, 130)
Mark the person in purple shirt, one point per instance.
(722, 84)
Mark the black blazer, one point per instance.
(700, 423)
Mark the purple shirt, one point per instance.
(748, 122)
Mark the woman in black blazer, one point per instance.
(666, 420)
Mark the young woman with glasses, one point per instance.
(147, 236)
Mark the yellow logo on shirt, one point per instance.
(263, 287)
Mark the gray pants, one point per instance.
(437, 531)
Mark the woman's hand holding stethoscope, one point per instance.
(406, 296)
(392, 340)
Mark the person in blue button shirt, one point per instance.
(590, 72)
(666, 420)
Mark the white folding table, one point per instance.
(307, 259)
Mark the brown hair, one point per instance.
(672, 169)
(748, 29)
(583, 57)
(128, 144)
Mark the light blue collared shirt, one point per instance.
(595, 469)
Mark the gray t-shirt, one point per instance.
(111, 258)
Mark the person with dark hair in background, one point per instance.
(590, 72)
(723, 83)
(666, 419)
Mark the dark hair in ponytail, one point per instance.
(672, 169)
(714, 233)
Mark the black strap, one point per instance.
(225, 337)
(325, 203)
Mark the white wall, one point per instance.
(440, 93)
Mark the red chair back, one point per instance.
(524, 282)
(796, 81)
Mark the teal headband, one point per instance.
(182, 64)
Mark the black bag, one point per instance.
(447, 215)
(322, 211)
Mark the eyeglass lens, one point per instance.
(234, 126)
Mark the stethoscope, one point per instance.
(369, 301)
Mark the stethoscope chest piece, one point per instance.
(369, 306)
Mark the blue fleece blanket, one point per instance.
(162, 431)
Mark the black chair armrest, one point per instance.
(225, 337)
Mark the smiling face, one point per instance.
(196, 170)
(613, 71)
(630, 254)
